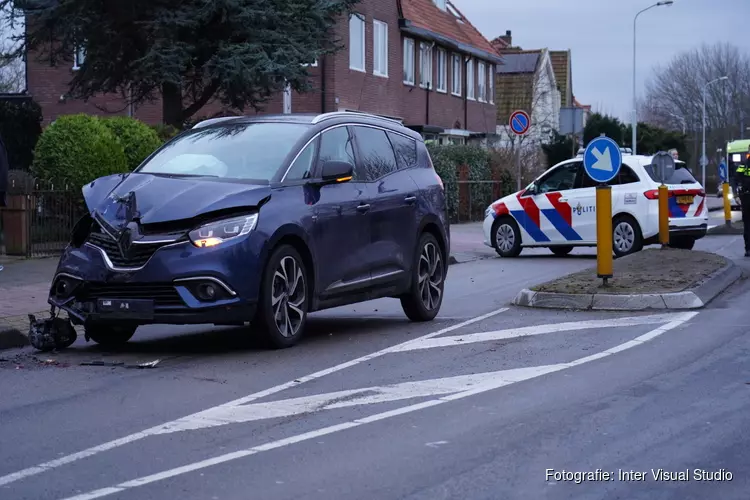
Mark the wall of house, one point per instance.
(345, 88)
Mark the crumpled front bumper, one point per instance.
(171, 281)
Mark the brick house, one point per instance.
(420, 61)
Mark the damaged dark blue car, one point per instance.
(259, 221)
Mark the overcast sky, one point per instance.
(600, 36)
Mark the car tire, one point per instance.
(561, 251)
(108, 334)
(682, 243)
(284, 298)
(506, 237)
(626, 236)
(423, 300)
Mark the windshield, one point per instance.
(242, 151)
(681, 174)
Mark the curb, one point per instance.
(696, 297)
(12, 330)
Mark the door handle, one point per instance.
(410, 199)
(363, 208)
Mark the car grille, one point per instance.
(139, 253)
(163, 294)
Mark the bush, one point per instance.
(20, 128)
(138, 140)
(447, 160)
(76, 149)
(165, 132)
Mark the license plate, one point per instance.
(126, 308)
(685, 200)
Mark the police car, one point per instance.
(558, 210)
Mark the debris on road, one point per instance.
(52, 333)
(652, 271)
(102, 363)
(150, 364)
(122, 364)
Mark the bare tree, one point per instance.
(12, 69)
(674, 95)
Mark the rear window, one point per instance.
(681, 174)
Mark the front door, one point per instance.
(394, 202)
(342, 228)
(555, 207)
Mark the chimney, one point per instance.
(508, 39)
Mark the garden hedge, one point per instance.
(76, 149)
(137, 139)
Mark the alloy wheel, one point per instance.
(431, 273)
(505, 237)
(288, 296)
(624, 237)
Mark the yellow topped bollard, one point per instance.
(663, 215)
(602, 161)
(604, 251)
(727, 204)
(663, 164)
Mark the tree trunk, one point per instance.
(171, 98)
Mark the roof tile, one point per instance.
(426, 15)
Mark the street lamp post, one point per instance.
(704, 160)
(635, 104)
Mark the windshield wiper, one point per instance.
(162, 174)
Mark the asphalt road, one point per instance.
(478, 404)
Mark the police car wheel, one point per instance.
(626, 236)
(506, 237)
(561, 251)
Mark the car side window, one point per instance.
(627, 176)
(336, 145)
(562, 178)
(405, 150)
(376, 153)
(302, 168)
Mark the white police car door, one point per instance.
(557, 196)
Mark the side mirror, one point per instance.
(531, 189)
(337, 171)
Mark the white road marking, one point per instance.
(520, 375)
(536, 330)
(52, 464)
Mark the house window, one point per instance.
(440, 3)
(442, 71)
(313, 65)
(456, 83)
(482, 81)
(408, 61)
(380, 48)
(470, 79)
(357, 42)
(79, 57)
(491, 89)
(425, 66)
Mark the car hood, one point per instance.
(164, 199)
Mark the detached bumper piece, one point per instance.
(49, 334)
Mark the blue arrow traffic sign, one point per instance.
(602, 159)
(520, 122)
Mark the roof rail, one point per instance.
(340, 114)
(211, 121)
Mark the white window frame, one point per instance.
(425, 59)
(471, 83)
(491, 89)
(409, 61)
(379, 48)
(441, 4)
(456, 79)
(481, 81)
(360, 20)
(313, 65)
(442, 71)
(79, 57)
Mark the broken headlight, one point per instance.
(216, 233)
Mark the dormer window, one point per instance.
(441, 4)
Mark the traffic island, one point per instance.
(651, 279)
(736, 228)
